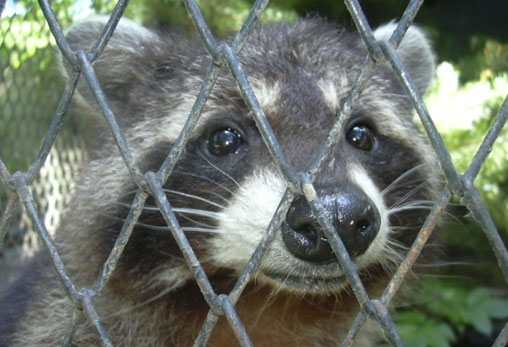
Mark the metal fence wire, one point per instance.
(30, 87)
(18, 184)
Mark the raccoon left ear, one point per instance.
(416, 53)
(122, 62)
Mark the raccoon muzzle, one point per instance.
(354, 217)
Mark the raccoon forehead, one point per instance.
(169, 122)
(226, 102)
(266, 93)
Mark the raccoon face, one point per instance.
(226, 187)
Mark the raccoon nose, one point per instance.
(353, 215)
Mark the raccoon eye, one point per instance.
(361, 137)
(224, 141)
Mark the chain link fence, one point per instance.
(40, 181)
(29, 90)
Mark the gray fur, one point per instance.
(301, 73)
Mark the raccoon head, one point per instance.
(226, 187)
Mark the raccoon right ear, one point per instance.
(416, 53)
(122, 62)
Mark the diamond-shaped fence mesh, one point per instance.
(29, 65)
(39, 182)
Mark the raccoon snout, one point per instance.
(354, 217)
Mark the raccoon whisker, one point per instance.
(420, 205)
(219, 169)
(197, 223)
(409, 207)
(412, 203)
(397, 210)
(409, 194)
(192, 196)
(124, 204)
(141, 304)
(224, 199)
(182, 212)
(405, 199)
(395, 245)
(269, 299)
(415, 202)
(402, 228)
(204, 191)
(153, 227)
(392, 255)
(409, 172)
(189, 229)
(207, 180)
(203, 230)
(145, 225)
(197, 212)
(446, 264)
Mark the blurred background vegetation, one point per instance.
(461, 303)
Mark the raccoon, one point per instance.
(376, 188)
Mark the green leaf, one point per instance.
(478, 297)
(418, 330)
(481, 322)
(497, 308)
(442, 336)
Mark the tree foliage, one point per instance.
(447, 309)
